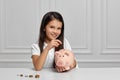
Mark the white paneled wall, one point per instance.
(91, 26)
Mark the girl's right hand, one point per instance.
(54, 43)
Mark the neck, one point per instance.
(47, 41)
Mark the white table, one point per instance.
(51, 74)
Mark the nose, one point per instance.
(55, 30)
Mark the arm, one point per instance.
(38, 61)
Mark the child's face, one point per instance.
(53, 29)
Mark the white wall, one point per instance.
(91, 26)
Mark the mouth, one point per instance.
(54, 35)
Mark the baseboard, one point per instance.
(98, 64)
(81, 64)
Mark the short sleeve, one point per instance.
(67, 44)
(35, 49)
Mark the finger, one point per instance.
(62, 69)
(56, 44)
(57, 69)
(65, 69)
(58, 41)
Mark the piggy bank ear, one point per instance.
(62, 50)
(56, 53)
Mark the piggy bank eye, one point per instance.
(63, 55)
(67, 54)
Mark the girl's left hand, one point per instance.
(63, 69)
(60, 69)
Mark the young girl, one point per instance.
(51, 39)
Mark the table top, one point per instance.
(51, 74)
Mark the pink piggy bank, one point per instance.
(64, 58)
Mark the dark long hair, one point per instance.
(46, 19)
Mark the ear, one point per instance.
(56, 53)
(44, 30)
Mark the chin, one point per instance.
(53, 38)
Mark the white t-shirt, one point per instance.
(50, 57)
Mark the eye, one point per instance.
(51, 26)
(59, 28)
(67, 54)
(63, 55)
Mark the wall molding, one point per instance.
(5, 47)
(87, 28)
(106, 49)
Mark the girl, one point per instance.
(51, 39)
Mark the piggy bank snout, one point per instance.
(60, 63)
